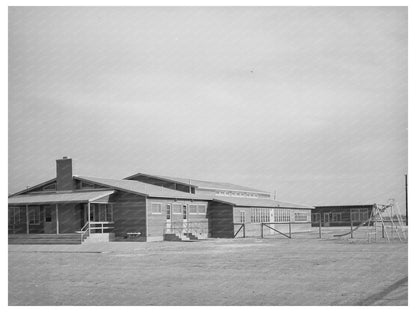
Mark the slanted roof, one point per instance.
(140, 188)
(259, 202)
(29, 189)
(202, 184)
(59, 197)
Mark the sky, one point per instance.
(307, 102)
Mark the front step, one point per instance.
(99, 238)
(45, 239)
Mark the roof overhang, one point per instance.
(59, 197)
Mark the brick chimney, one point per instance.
(64, 174)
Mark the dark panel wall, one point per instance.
(129, 214)
(69, 216)
(220, 218)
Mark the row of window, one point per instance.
(34, 215)
(236, 194)
(177, 208)
(356, 215)
(259, 215)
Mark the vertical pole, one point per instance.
(261, 224)
(27, 219)
(57, 218)
(290, 229)
(320, 230)
(89, 218)
(382, 230)
(351, 224)
(405, 176)
(244, 230)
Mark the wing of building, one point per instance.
(143, 207)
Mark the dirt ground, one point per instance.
(251, 271)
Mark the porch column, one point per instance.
(27, 219)
(57, 218)
(89, 216)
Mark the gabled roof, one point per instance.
(258, 202)
(140, 188)
(201, 183)
(29, 189)
(59, 197)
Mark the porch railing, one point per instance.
(101, 225)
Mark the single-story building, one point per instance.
(143, 207)
(341, 215)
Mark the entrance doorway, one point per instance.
(327, 219)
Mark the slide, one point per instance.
(359, 225)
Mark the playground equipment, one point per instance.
(386, 218)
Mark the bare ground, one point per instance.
(271, 271)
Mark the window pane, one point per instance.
(201, 209)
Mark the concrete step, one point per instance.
(46, 239)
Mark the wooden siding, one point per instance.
(220, 218)
(70, 218)
(129, 214)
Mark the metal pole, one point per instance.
(89, 218)
(290, 229)
(320, 231)
(57, 218)
(244, 230)
(405, 176)
(352, 236)
(382, 230)
(261, 224)
(27, 219)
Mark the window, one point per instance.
(14, 215)
(109, 213)
(336, 216)
(281, 215)
(202, 209)
(242, 216)
(34, 215)
(177, 208)
(193, 209)
(260, 215)
(316, 217)
(49, 187)
(156, 208)
(48, 214)
(301, 216)
(168, 212)
(85, 185)
(184, 212)
(355, 214)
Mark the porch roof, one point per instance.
(59, 197)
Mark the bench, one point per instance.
(133, 234)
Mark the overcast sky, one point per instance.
(311, 102)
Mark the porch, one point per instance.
(59, 217)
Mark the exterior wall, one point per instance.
(129, 215)
(220, 218)
(254, 228)
(157, 222)
(69, 217)
(344, 213)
